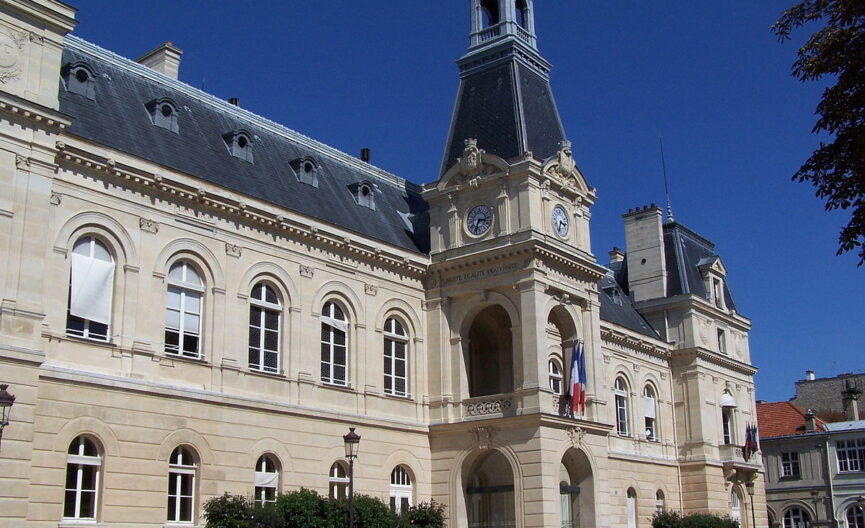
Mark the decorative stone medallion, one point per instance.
(11, 48)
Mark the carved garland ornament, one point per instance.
(11, 45)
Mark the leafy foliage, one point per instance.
(304, 508)
(836, 169)
(424, 515)
(674, 519)
(228, 511)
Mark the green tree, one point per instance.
(837, 50)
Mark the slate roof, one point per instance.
(783, 419)
(685, 252)
(508, 107)
(617, 308)
(853, 425)
(117, 118)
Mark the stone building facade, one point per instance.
(822, 394)
(198, 300)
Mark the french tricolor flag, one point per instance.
(577, 388)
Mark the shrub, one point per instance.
(371, 512)
(228, 511)
(303, 508)
(424, 515)
(674, 519)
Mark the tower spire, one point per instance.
(504, 99)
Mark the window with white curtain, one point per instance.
(650, 412)
(334, 345)
(555, 372)
(183, 311)
(400, 489)
(620, 389)
(266, 480)
(338, 481)
(265, 321)
(83, 465)
(395, 358)
(91, 288)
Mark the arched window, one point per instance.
(490, 12)
(83, 464)
(338, 482)
(796, 518)
(265, 325)
(182, 469)
(266, 480)
(400, 489)
(620, 389)
(522, 13)
(650, 412)
(555, 376)
(395, 358)
(91, 288)
(631, 507)
(659, 502)
(736, 507)
(183, 311)
(855, 517)
(334, 345)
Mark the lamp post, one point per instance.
(6, 401)
(749, 487)
(351, 441)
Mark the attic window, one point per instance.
(239, 144)
(364, 194)
(306, 170)
(80, 80)
(163, 113)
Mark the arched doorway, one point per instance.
(576, 491)
(489, 492)
(490, 353)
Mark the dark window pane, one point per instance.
(186, 485)
(325, 333)
(270, 295)
(185, 509)
(254, 358)
(387, 366)
(69, 505)
(254, 316)
(71, 476)
(89, 448)
(172, 339)
(75, 325)
(400, 369)
(271, 320)
(254, 337)
(88, 480)
(337, 313)
(339, 355)
(88, 504)
(271, 340)
(325, 353)
(190, 344)
(400, 386)
(172, 502)
(270, 361)
(325, 372)
(339, 374)
(339, 337)
(388, 384)
(98, 330)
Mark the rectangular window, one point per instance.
(790, 464)
(621, 415)
(717, 293)
(727, 422)
(722, 341)
(181, 483)
(851, 455)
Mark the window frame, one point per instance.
(401, 493)
(620, 391)
(853, 451)
(854, 516)
(77, 462)
(790, 467)
(261, 496)
(651, 423)
(178, 473)
(556, 376)
(337, 486)
(263, 306)
(330, 322)
(727, 427)
(789, 519)
(185, 290)
(391, 339)
(86, 332)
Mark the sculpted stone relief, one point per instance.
(562, 167)
(11, 47)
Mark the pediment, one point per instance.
(712, 264)
(562, 169)
(473, 166)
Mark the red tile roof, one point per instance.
(783, 418)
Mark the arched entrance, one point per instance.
(490, 353)
(489, 492)
(576, 491)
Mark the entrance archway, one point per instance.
(490, 353)
(576, 491)
(489, 492)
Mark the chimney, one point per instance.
(616, 255)
(644, 251)
(810, 423)
(809, 375)
(234, 101)
(365, 155)
(850, 397)
(165, 59)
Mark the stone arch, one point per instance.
(339, 290)
(402, 457)
(185, 437)
(272, 447)
(489, 353)
(196, 252)
(577, 488)
(405, 311)
(87, 425)
(461, 478)
(471, 306)
(276, 274)
(842, 508)
(797, 503)
(92, 222)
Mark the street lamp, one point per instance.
(749, 487)
(6, 401)
(351, 441)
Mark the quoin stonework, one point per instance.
(197, 300)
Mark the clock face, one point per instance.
(479, 219)
(561, 224)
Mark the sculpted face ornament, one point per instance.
(471, 161)
(10, 52)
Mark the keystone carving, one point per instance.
(370, 289)
(233, 250)
(576, 434)
(484, 436)
(148, 225)
(306, 271)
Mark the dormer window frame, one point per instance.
(306, 170)
(80, 79)
(714, 273)
(163, 114)
(239, 144)
(364, 193)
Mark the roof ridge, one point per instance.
(84, 46)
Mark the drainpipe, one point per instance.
(831, 512)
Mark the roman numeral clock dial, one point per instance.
(479, 220)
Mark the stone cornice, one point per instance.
(40, 115)
(49, 13)
(248, 212)
(627, 340)
(715, 359)
(698, 305)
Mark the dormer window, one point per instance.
(80, 79)
(239, 144)
(306, 170)
(163, 113)
(713, 272)
(718, 293)
(364, 194)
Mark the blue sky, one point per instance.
(708, 77)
